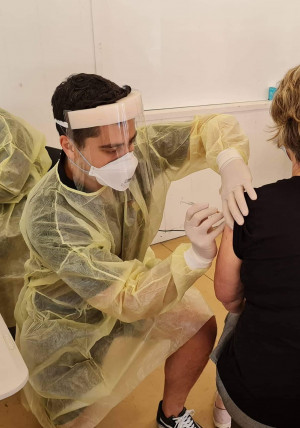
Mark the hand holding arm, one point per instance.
(236, 178)
(227, 151)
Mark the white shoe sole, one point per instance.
(218, 425)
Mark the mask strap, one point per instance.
(64, 126)
(81, 169)
(72, 162)
(81, 156)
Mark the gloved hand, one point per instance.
(198, 227)
(236, 178)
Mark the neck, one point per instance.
(68, 169)
(295, 163)
(295, 166)
(296, 170)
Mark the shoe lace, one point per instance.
(186, 420)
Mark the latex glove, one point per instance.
(198, 226)
(236, 178)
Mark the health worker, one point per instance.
(99, 311)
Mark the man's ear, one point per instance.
(67, 146)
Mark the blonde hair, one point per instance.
(285, 111)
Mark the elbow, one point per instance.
(225, 297)
(235, 307)
(233, 302)
(220, 286)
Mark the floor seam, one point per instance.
(166, 247)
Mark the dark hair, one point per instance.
(83, 91)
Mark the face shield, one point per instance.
(103, 143)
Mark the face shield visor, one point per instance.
(104, 142)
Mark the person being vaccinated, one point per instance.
(257, 280)
(98, 311)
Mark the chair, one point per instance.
(13, 371)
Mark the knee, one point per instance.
(208, 333)
(211, 325)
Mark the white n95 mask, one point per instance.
(116, 174)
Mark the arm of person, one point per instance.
(215, 141)
(228, 286)
(191, 146)
(71, 250)
(23, 158)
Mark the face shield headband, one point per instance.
(129, 107)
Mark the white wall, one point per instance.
(178, 53)
(41, 43)
(196, 52)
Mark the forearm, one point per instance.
(150, 292)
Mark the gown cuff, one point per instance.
(226, 156)
(194, 261)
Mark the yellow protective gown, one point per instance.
(98, 311)
(23, 162)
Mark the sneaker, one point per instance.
(221, 417)
(183, 420)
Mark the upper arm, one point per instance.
(228, 286)
(23, 158)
